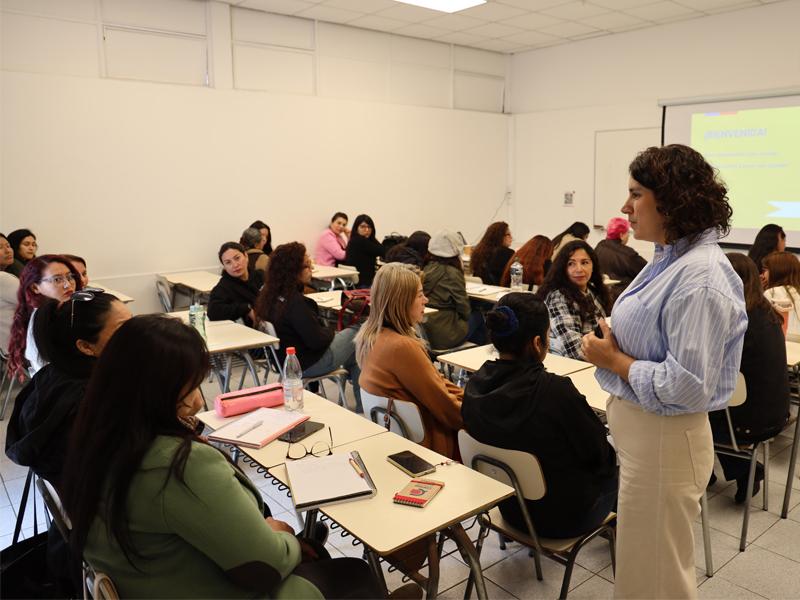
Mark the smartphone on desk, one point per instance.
(301, 432)
(410, 463)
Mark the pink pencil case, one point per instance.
(242, 401)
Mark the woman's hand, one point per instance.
(605, 353)
(276, 525)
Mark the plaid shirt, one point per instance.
(566, 326)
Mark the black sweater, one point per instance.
(40, 426)
(518, 405)
(361, 253)
(233, 298)
(492, 272)
(619, 261)
(297, 324)
(766, 410)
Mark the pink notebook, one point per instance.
(258, 428)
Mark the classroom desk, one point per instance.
(124, 298)
(472, 359)
(487, 293)
(587, 385)
(227, 338)
(385, 527)
(196, 282)
(345, 426)
(332, 300)
(333, 274)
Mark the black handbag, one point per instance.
(23, 565)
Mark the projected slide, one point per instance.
(758, 154)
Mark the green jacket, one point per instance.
(446, 290)
(198, 538)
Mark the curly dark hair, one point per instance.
(281, 280)
(557, 279)
(482, 253)
(687, 190)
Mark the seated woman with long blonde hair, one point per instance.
(394, 362)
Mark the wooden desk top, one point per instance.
(227, 336)
(345, 426)
(201, 281)
(490, 293)
(325, 272)
(472, 359)
(587, 385)
(333, 300)
(385, 526)
(124, 298)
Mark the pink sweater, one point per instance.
(330, 248)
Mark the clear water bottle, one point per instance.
(516, 272)
(292, 381)
(197, 318)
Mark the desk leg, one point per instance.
(226, 376)
(252, 366)
(468, 551)
(792, 464)
(377, 571)
(432, 587)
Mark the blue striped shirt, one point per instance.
(683, 320)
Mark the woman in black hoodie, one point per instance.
(514, 403)
(235, 295)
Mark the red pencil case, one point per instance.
(246, 400)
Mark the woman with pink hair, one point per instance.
(616, 258)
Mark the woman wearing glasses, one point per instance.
(69, 335)
(157, 508)
(48, 276)
(394, 362)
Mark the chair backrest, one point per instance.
(405, 419)
(272, 357)
(268, 328)
(740, 392)
(53, 504)
(164, 293)
(504, 465)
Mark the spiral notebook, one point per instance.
(418, 492)
(319, 481)
(258, 428)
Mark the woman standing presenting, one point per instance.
(673, 356)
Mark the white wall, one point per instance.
(142, 177)
(560, 96)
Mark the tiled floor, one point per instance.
(769, 568)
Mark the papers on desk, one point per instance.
(477, 288)
(319, 481)
(258, 428)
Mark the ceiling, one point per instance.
(503, 25)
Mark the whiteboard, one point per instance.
(614, 149)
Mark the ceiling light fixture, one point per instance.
(446, 6)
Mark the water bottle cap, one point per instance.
(290, 350)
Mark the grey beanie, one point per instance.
(446, 244)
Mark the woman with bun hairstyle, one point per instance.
(514, 403)
(534, 255)
(576, 297)
(47, 276)
(394, 360)
(332, 244)
(70, 335)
